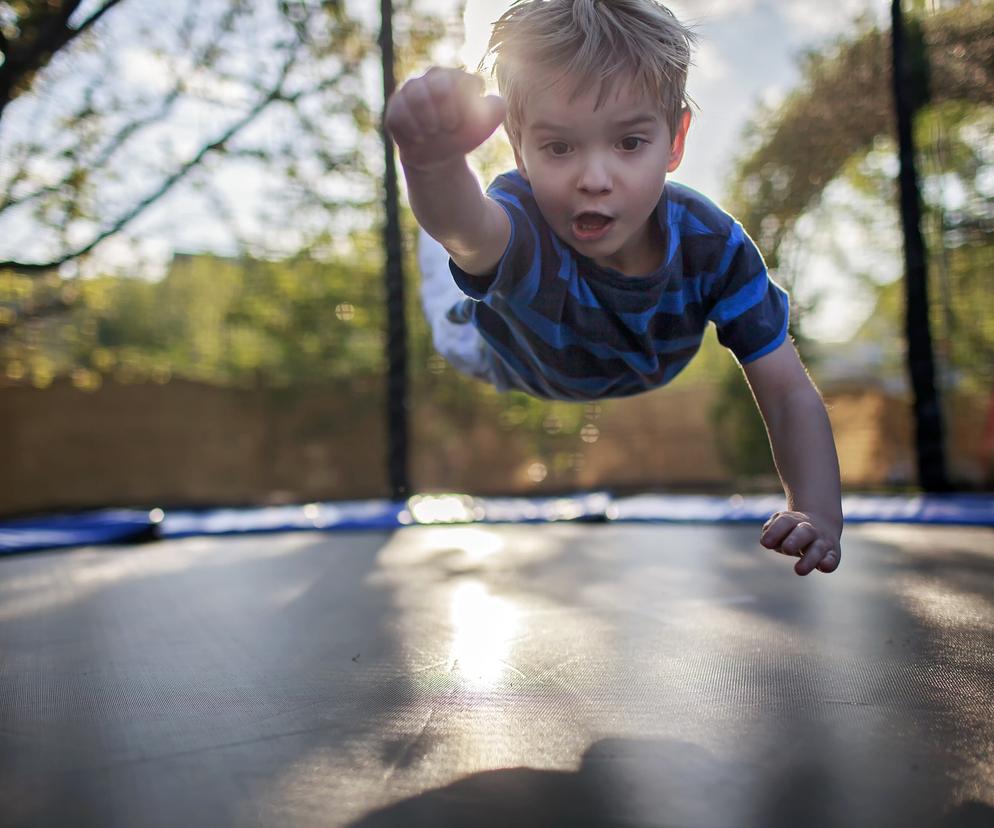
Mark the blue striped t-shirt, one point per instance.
(562, 327)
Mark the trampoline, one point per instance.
(572, 662)
(628, 674)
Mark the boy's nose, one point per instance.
(594, 176)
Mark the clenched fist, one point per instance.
(441, 115)
(803, 535)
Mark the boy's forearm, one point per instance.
(449, 204)
(805, 455)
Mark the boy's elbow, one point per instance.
(801, 400)
(479, 251)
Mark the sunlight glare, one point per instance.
(477, 20)
(484, 626)
(428, 509)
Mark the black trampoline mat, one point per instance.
(563, 675)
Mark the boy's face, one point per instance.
(598, 174)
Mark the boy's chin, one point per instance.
(596, 249)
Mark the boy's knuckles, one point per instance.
(422, 109)
(416, 94)
(439, 86)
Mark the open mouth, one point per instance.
(589, 226)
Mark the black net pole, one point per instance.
(908, 93)
(396, 326)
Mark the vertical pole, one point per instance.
(396, 327)
(921, 367)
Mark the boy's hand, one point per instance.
(441, 115)
(804, 535)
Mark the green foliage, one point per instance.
(299, 321)
(956, 141)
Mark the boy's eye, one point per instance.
(557, 147)
(631, 143)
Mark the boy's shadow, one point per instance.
(624, 782)
(609, 788)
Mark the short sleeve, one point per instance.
(748, 308)
(521, 255)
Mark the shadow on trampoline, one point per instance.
(625, 782)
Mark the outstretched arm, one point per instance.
(804, 451)
(436, 119)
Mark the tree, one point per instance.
(275, 86)
(840, 109)
(32, 33)
(234, 322)
(836, 128)
(118, 119)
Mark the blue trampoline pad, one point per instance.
(59, 531)
(590, 674)
(115, 526)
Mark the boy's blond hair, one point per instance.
(593, 43)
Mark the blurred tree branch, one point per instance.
(121, 221)
(37, 31)
(119, 138)
(229, 62)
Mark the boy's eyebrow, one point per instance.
(626, 123)
(548, 126)
(638, 120)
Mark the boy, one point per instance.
(588, 275)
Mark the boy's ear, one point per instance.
(679, 141)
